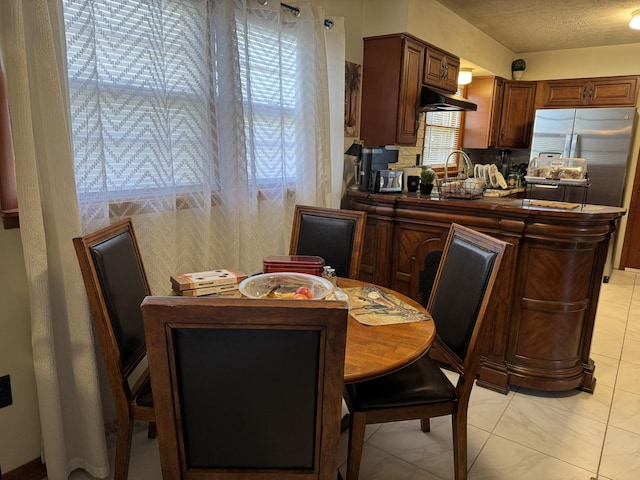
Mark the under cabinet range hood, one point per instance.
(434, 99)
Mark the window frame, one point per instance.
(8, 185)
(452, 170)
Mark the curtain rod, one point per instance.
(295, 11)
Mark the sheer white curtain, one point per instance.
(206, 122)
(32, 42)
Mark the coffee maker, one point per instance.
(375, 175)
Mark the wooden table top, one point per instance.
(373, 351)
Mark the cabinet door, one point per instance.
(516, 120)
(613, 92)
(410, 86)
(433, 71)
(450, 77)
(593, 92)
(391, 83)
(441, 69)
(564, 93)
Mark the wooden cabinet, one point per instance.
(441, 69)
(391, 83)
(591, 92)
(544, 305)
(505, 114)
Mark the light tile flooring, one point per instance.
(525, 435)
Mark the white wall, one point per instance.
(19, 422)
(435, 24)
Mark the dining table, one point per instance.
(376, 350)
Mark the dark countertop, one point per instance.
(494, 205)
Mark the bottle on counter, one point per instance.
(329, 273)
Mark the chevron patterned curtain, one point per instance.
(205, 121)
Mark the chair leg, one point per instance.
(123, 448)
(459, 424)
(152, 432)
(357, 425)
(425, 424)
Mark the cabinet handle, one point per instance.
(591, 94)
(584, 94)
(502, 132)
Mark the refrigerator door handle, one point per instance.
(574, 145)
(567, 145)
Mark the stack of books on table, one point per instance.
(206, 283)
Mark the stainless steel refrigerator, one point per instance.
(603, 137)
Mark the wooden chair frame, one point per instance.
(467, 370)
(119, 372)
(359, 217)
(167, 317)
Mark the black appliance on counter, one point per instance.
(374, 170)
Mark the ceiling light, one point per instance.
(465, 76)
(635, 20)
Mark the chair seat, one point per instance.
(421, 383)
(144, 397)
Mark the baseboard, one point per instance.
(34, 470)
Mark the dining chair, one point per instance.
(458, 304)
(337, 235)
(246, 389)
(116, 284)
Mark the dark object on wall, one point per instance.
(5, 391)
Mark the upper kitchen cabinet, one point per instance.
(505, 113)
(441, 69)
(391, 83)
(588, 92)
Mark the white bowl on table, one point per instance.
(282, 285)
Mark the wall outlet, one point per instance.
(5, 391)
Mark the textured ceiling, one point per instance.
(540, 25)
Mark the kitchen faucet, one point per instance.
(467, 169)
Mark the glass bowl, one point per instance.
(284, 285)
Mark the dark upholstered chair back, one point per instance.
(243, 387)
(459, 290)
(333, 234)
(123, 285)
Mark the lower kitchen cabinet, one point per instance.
(545, 302)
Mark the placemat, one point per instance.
(552, 204)
(372, 306)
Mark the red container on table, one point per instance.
(293, 263)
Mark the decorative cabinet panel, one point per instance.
(391, 84)
(591, 92)
(505, 114)
(441, 69)
(545, 302)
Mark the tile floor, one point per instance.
(525, 435)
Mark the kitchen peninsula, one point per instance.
(547, 294)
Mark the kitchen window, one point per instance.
(442, 135)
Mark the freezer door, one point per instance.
(603, 137)
(552, 133)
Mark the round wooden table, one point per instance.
(373, 351)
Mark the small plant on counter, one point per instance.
(427, 177)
